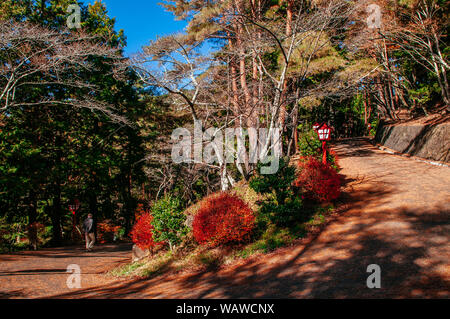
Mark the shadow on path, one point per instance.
(333, 265)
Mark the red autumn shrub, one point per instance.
(318, 181)
(142, 232)
(223, 218)
(140, 210)
(106, 231)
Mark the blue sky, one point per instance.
(141, 20)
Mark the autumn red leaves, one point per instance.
(224, 218)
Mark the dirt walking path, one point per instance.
(396, 216)
(43, 273)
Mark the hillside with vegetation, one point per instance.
(82, 123)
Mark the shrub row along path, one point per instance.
(394, 213)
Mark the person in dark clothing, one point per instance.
(88, 228)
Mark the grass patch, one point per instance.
(319, 217)
(147, 267)
(127, 270)
(209, 259)
(273, 238)
(157, 265)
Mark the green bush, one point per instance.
(281, 205)
(374, 127)
(168, 221)
(309, 144)
(281, 213)
(13, 236)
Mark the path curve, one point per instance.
(396, 216)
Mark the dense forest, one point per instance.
(81, 122)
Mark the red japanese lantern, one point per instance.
(73, 208)
(324, 132)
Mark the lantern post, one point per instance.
(73, 208)
(324, 133)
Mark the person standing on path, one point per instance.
(88, 227)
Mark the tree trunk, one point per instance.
(365, 107)
(128, 205)
(93, 209)
(56, 216)
(234, 87)
(443, 84)
(32, 217)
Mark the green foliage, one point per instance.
(278, 183)
(281, 205)
(424, 93)
(309, 143)
(168, 221)
(12, 235)
(346, 117)
(272, 238)
(280, 213)
(50, 155)
(373, 127)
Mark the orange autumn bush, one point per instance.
(142, 232)
(106, 232)
(318, 181)
(223, 218)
